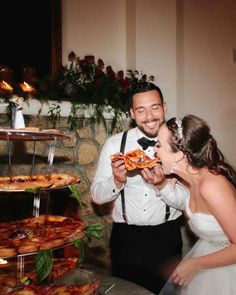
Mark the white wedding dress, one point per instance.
(216, 281)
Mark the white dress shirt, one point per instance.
(144, 205)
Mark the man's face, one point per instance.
(148, 112)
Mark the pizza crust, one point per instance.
(7, 252)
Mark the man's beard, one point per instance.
(152, 133)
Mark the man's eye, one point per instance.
(140, 110)
(158, 144)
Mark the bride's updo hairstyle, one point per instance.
(191, 135)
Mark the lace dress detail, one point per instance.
(217, 281)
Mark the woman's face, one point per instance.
(163, 150)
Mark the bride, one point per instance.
(188, 150)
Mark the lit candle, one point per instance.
(5, 86)
(27, 87)
(3, 261)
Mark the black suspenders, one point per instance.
(122, 149)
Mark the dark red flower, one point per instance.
(110, 72)
(125, 83)
(120, 75)
(89, 59)
(72, 56)
(144, 78)
(82, 64)
(151, 78)
(101, 63)
(99, 72)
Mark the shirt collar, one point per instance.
(141, 134)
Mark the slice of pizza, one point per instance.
(136, 159)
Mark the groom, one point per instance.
(145, 232)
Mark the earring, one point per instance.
(173, 167)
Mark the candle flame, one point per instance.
(3, 261)
(26, 87)
(5, 86)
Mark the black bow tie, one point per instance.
(145, 142)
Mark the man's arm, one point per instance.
(109, 177)
(171, 191)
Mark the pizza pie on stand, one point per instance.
(40, 233)
(26, 182)
(87, 284)
(33, 234)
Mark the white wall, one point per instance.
(186, 44)
(95, 28)
(156, 45)
(209, 74)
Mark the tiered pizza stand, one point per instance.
(26, 135)
(10, 135)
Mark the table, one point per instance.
(116, 286)
(109, 285)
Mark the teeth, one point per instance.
(151, 124)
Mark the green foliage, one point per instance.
(92, 231)
(34, 190)
(44, 258)
(75, 193)
(43, 264)
(80, 246)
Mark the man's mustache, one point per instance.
(151, 121)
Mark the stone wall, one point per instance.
(77, 156)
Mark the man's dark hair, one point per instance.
(142, 87)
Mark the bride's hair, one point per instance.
(192, 136)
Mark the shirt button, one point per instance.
(144, 210)
(145, 195)
(113, 190)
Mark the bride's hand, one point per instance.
(154, 176)
(184, 272)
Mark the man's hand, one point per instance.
(119, 172)
(155, 176)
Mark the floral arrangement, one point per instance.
(88, 82)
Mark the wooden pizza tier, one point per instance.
(31, 135)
